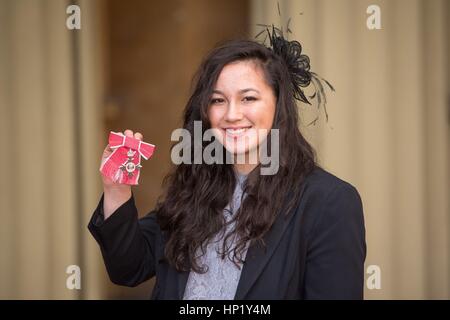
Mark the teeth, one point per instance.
(236, 131)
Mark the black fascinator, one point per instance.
(298, 65)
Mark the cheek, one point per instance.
(263, 117)
(214, 116)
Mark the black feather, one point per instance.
(298, 65)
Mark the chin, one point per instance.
(242, 151)
(237, 152)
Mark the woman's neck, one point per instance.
(244, 168)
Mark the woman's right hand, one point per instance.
(115, 194)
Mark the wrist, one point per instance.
(114, 197)
(117, 189)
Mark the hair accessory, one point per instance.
(298, 65)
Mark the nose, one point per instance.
(234, 112)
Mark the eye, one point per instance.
(250, 98)
(216, 100)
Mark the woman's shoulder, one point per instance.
(320, 182)
(324, 189)
(329, 206)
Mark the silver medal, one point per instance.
(129, 166)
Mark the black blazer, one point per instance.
(317, 252)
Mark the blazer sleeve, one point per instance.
(127, 244)
(336, 248)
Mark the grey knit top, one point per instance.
(222, 277)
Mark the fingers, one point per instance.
(137, 135)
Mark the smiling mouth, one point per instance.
(236, 132)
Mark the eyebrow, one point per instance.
(240, 91)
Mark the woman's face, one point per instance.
(242, 104)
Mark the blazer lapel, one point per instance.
(181, 283)
(257, 257)
(255, 261)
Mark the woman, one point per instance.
(226, 230)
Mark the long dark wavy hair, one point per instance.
(190, 211)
